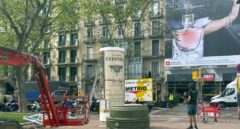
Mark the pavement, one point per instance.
(165, 122)
(175, 118)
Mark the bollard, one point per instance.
(205, 118)
(215, 117)
(128, 117)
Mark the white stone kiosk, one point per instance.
(111, 66)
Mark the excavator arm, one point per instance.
(53, 114)
(13, 57)
(19, 59)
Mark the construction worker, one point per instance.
(171, 103)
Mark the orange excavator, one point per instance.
(67, 111)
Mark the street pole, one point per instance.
(199, 83)
(238, 90)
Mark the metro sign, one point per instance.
(208, 77)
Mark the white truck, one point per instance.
(228, 97)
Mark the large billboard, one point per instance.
(203, 32)
(138, 90)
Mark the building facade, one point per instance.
(72, 56)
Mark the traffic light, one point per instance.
(195, 75)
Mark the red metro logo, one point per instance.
(168, 63)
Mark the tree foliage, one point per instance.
(26, 23)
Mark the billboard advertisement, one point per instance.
(138, 90)
(203, 32)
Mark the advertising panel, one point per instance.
(138, 90)
(113, 75)
(203, 32)
(111, 69)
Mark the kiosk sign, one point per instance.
(138, 89)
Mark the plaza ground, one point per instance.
(169, 122)
(174, 118)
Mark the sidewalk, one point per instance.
(174, 118)
(169, 122)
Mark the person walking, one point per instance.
(192, 105)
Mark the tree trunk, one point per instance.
(21, 91)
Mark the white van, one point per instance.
(228, 96)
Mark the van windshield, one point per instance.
(228, 91)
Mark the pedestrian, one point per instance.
(171, 98)
(94, 104)
(192, 105)
(149, 105)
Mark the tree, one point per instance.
(28, 22)
(119, 17)
(121, 14)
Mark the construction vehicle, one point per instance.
(54, 113)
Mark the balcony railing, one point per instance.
(47, 61)
(137, 34)
(89, 40)
(104, 39)
(156, 33)
(74, 43)
(73, 60)
(149, 53)
(61, 60)
(89, 77)
(62, 78)
(61, 43)
(73, 78)
(89, 22)
(76, 60)
(135, 75)
(120, 1)
(89, 57)
(47, 46)
(153, 14)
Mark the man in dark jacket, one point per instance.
(192, 105)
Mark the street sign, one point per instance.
(208, 77)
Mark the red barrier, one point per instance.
(209, 111)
